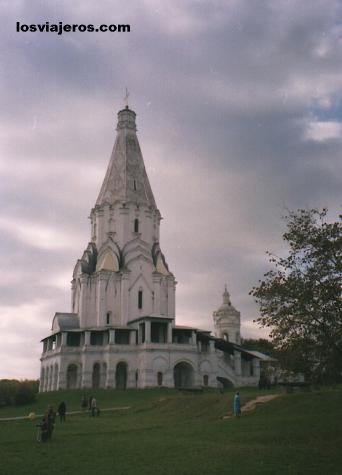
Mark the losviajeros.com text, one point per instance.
(61, 27)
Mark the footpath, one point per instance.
(251, 405)
(71, 413)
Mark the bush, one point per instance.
(25, 394)
(13, 392)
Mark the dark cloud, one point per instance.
(239, 107)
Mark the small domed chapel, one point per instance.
(121, 331)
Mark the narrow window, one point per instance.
(136, 225)
(108, 318)
(205, 380)
(159, 378)
(134, 185)
(140, 299)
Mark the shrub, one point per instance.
(13, 392)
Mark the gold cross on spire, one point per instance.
(126, 98)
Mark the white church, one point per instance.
(121, 331)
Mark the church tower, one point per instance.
(121, 330)
(227, 320)
(123, 274)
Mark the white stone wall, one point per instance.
(117, 220)
(146, 359)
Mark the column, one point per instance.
(111, 337)
(193, 338)
(64, 338)
(86, 338)
(101, 299)
(124, 298)
(147, 331)
(82, 300)
(169, 333)
(110, 382)
(87, 373)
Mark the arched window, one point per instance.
(72, 377)
(108, 318)
(140, 299)
(136, 225)
(205, 380)
(160, 378)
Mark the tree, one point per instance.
(14, 392)
(260, 344)
(300, 298)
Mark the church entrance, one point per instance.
(121, 376)
(183, 375)
(96, 375)
(72, 376)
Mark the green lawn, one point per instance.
(167, 432)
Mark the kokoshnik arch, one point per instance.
(122, 332)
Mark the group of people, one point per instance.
(91, 404)
(47, 425)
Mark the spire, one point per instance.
(226, 296)
(126, 179)
(126, 98)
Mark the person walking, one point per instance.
(42, 435)
(237, 405)
(93, 407)
(62, 411)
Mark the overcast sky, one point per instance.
(239, 118)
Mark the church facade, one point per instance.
(121, 331)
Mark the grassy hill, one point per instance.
(168, 432)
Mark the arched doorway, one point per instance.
(96, 375)
(72, 376)
(183, 375)
(121, 375)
